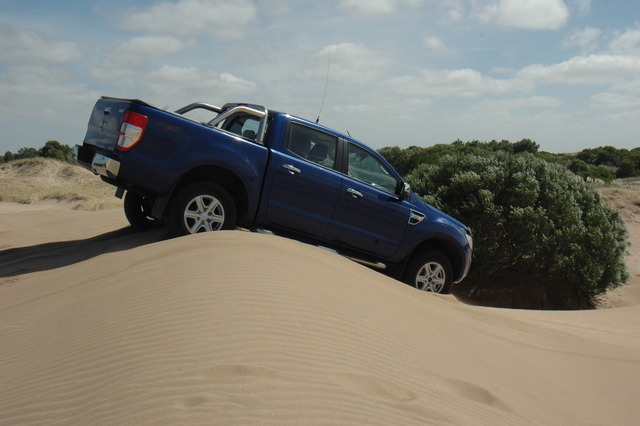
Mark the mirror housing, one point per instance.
(405, 191)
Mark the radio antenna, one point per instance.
(326, 83)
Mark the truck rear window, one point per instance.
(242, 124)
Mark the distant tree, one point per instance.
(54, 149)
(542, 239)
(625, 163)
(605, 163)
(51, 149)
(399, 159)
(407, 159)
(503, 145)
(404, 160)
(605, 173)
(26, 153)
(526, 145)
(578, 166)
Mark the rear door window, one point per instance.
(312, 145)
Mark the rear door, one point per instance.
(304, 185)
(369, 216)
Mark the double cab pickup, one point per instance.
(259, 169)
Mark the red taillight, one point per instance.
(132, 130)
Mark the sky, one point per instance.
(564, 73)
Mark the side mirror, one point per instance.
(405, 192)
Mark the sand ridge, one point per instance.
(242, 328)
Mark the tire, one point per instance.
(137, 209)
(430, 271)
(202, 207)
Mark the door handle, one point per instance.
(355, 193)
(293, 170)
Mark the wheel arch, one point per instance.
(446, 247)
(227, 179)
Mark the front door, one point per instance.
(369, 216)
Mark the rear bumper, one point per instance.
(97, 163)
(105, 166)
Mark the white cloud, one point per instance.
(377, 7)
(612, 100)
(221, 19)
(127, 58)
(542, 102)
(277, 8)
(179, 86)
(583, 6)
(627, 42)
(433, 44)
(46, 98)
(147, 48)
(526, 14)
(460, 83)
(354, 109)
(455, 9)
(592, 69)
(41, 87)
(30, 47)
(618, 71)
(349, 63)
(586, 39)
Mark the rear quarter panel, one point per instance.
(174, 145)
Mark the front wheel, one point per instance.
(430, 271)
(202, 207)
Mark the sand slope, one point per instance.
(237, 328)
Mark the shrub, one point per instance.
(54, 149)
(543, 239)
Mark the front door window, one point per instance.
(368, 169)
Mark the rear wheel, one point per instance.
(202, 207)
(430, 271)
(137, 209)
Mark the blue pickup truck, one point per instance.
(255, 168)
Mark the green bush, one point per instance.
(51, 149)
(543, 238)
(54, 149)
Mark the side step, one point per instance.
(375, 265)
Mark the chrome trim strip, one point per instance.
(196, 105)
(261, 114)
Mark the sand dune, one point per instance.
(102, 326)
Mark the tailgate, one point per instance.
(104, 125)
